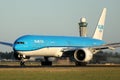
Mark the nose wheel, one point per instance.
(22, 61)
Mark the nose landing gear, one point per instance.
(23, 59)
(22, 62)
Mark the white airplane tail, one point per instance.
(99, 29)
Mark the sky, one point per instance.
(56, 17)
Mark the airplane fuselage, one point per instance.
(38, 45)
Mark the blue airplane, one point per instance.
(81, 49)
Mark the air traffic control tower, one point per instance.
(83, 27)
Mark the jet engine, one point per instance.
(83, 55)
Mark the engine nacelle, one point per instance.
(83, 55)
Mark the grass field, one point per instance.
(60, 73)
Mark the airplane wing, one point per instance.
(6, 43)
(111, 46)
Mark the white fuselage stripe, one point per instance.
(57, 52)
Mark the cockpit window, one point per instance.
(20, 43)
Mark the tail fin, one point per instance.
(99, 29)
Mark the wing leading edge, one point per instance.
(111, 46)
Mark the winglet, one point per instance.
(99, 29)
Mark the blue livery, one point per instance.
(35, 42)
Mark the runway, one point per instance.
(58, 66)
(15, 64)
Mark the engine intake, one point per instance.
(83, 55)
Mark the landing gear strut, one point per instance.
(80, 63)
(22, 61)
(46, 62)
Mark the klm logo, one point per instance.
(100, 27)
(38, 41)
